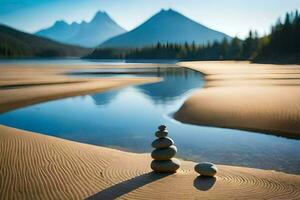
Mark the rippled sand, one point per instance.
(34, 166)
(247, 96)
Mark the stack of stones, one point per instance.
(164, 152)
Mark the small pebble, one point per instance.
(162, 143)
(161, 134)
(162, 127)
(206, 169)
(165, 165)
(164, 154)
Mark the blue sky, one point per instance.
(233, 17)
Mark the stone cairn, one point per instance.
(164, 152)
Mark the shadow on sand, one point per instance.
(204, 183)
(127, 186)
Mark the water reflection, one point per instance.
(126, 118)
(105, 98)
(176, 83)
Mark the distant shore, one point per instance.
(36, 166)
(30, 84)
(258, 97)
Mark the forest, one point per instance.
(282, 45)
(18, 44)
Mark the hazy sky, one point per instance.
(234, 17)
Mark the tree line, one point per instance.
(282, 45)
(17, 44)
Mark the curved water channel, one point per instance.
(127, 118)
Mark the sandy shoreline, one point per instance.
(247, 96)
(25, 85)
(36, 166)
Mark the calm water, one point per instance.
(127, 119)
(78, 61)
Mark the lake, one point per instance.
(127, 119)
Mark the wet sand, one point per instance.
(241, 95)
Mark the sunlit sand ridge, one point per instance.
(25, 85)
(246, 96)
(35, 166)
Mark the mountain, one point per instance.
(60, 31)
(86, 34)
(15, 43)
(166, 26)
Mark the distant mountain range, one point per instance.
(167, 26)
(86, 34)
(15, 43)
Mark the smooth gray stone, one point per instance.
(166, 166)
(162, 143)
(162, 127)
(164, 154)
(206, 169)
(161, 134)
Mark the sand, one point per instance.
(35, 166)
(25, 85)
(241, 95)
